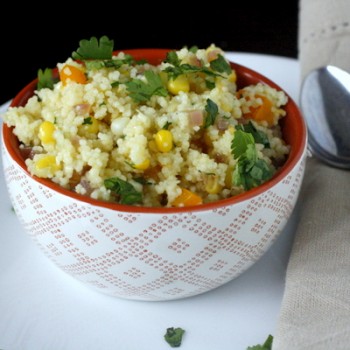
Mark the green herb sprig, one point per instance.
(266, 346)
(125, 190)
(173, 336)
(141, 91)
(250, 171)
(46, 79)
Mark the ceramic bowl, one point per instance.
(156, 253)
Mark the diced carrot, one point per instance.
(263, 112)
(187, 198)
(69, 72)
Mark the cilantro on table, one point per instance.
(250, 171)
(125, 190)
(266, 346)
(46, 79)
(141, 91)
(173, 336)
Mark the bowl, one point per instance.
(156, 254)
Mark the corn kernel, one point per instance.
(92, 126)
(212, 185)
(232, 78)
(180, 83)
(143, 165)
(164, 140)
(47, 162)
(46, 131)
(231, 129)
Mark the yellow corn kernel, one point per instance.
(46, 131)
(92, 125)
(164, 140)
(180, 83)
(231, 129)
(232, 78)
(47, 162)
(143, 165)
(212, 185)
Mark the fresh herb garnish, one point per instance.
(173, 336)
(94, 49)
(87, 121)
(126, 191)
(220, 65)
(259, 136)
(111, 63)
(141, 91)
(141, 180)
(193, 49)
(46, 79)
(266, 346)
(166, 125)
(178, 69)
(212, 111)
(250, 171)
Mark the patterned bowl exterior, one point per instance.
(159, 256)
(156, 253)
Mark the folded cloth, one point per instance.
(315, 310)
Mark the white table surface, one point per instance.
(42, 308)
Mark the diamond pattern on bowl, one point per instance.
(150, 256)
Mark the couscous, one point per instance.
(178, 133)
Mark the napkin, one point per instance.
(315, 310)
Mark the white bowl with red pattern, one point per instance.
(156, 253)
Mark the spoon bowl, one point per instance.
(325, 103)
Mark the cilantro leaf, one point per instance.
(221, 65)
(126, 191)
(193, 49)
(266, 346)
(141, 91)
(109, 63)
(212, 111)
(240, 143)
(259, 136)
(94, 49)
(250, 171)
(46, 79)
(172, 58)
(173, 336)
(178, 69)
(87, 121)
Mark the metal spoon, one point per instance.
(325, 103)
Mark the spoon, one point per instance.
(325, 103)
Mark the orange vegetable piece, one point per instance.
(187, 198)
(263, 112)
(69, 72)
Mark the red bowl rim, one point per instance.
(296, 153)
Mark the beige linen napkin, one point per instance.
(315, 310)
